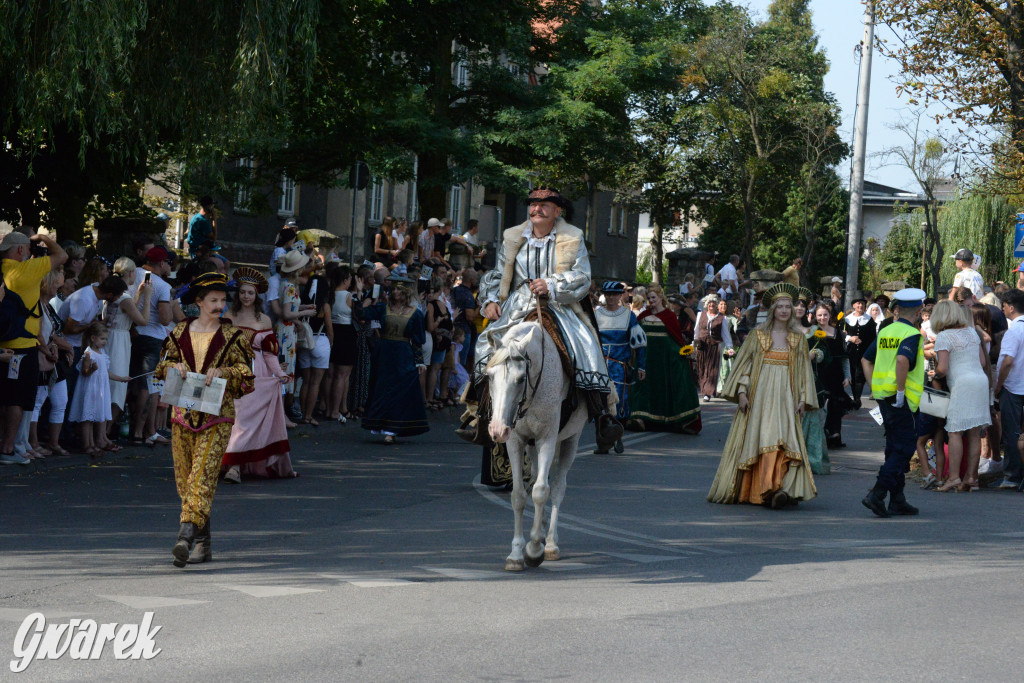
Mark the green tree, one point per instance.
(92, 89)
(930, 160)
(765, 91)
(900, 255)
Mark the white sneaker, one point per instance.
(13, 459)
(233, 475)
(1008, 483)
(989, 466)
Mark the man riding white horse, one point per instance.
(544, 257)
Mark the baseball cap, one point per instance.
(13, 239)
(157, 254)
(1020, 268)
(433, 223)
(964, 255)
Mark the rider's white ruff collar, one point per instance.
(539, 241)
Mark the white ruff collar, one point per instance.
(539, 241)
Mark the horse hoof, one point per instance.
(533, 561)
(514, 565)
(552, 554)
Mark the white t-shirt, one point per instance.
(277, 253)
(83, 306)
(971, 279)
(471, 238)
(161, 294)
(273, 293)
(727, 273)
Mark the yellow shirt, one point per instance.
(23, 278)
(792, 276)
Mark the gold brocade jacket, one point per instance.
(230, 351)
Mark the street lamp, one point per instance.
(924, 240)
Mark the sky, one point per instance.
(840, 27)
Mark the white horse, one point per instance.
(527, 386)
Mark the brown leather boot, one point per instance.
(202, 551)
(186, 535)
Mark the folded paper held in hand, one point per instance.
(192, 393)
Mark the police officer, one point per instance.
(894, 366)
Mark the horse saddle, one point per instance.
(550, 326)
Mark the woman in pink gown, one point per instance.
(259, 439)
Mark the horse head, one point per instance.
(513, 374)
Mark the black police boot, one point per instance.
(186, 535)
(875, 501)
(898, 505)
(202, 551)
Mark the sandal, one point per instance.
(969, 486)
(57, 450)
(389, 439)
(111, 447)
(92, 452)
(930, 482)
(950, 485)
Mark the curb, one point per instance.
(53, 463)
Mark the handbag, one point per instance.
(935, 402)
(304, 332)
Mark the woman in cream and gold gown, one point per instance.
(765, 458)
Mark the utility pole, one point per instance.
(859, 154)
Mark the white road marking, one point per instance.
(367, 581)
(151, 601)
(465, 574)
(269, 591)
(644, 559)
(562, 566)
(858, 543)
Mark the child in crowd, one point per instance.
(90, 404)
(459, 376)
(403, 261)
(930, 428)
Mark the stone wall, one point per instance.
(683, 261)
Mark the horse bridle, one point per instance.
(527, 398)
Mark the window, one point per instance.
(414, 201)
(244, 193)
(455, 207)
(617, 222)
(461, 74)
(287, 204)
(376, 200)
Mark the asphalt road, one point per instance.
(386, 564)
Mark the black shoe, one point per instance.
(181, 550)
(779, 500)
(619, 447)
(600, 451)
(607, 430)
(875, 501)
(202, 551)
(898, 505)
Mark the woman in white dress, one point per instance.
(119, 318)
(961, 360)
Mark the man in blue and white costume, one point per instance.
(624, 345)
(545, 257)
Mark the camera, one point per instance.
(36, 249)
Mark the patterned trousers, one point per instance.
(197, 460)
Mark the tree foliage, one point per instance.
(967, 55)
(766, 103)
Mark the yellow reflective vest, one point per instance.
(883, 381)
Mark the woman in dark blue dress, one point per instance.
(395, 404)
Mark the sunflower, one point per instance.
(820, 334)
(686, 350)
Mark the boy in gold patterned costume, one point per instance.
(208, 346)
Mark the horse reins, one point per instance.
(526, 401)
